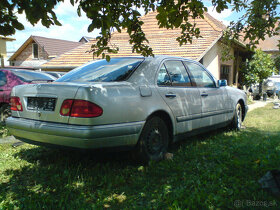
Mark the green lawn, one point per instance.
(214, 170)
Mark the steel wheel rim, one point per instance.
(154, 141)
(239, 116)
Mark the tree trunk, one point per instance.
(260, 88)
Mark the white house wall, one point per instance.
(212, 61)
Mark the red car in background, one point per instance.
(13, 77)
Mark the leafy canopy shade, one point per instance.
(260, 18)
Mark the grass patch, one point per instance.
(214, 170)
(3, 131)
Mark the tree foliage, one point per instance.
(277, 63)
(260, 67)
(260, 18)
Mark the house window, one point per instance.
(35, 50)
(225, 70)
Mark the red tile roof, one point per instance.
(162, 41)
(53, 47)
(269, 44)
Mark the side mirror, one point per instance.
(222, 83)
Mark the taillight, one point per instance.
(16, 104)
(80, 108)
(66, 107)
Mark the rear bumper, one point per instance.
(86, 137)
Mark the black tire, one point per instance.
(153, 141)
(236, 123)
(5, 112)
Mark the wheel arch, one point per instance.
(167, 119)
(242, 103)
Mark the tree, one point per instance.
(277, 63)
(259, 19)
(259, 68)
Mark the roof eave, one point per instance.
(213, 43)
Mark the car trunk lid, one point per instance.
(43, 101)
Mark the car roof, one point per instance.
(25, 70)
(29, 71)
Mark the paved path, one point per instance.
(257, 104)
(8, 139)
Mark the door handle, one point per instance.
(170, 95)
(204, 94)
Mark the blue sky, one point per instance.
(74, 27)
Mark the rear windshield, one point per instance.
(117, 69)
(33, 76)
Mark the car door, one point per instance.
(175, 87)
(213, 98)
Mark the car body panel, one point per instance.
(11, 81)
(126, 107)
(58, 91)
(122, 134)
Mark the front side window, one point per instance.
(35, 50)
(199, 75)
(178, 73)
(117, 69)
(3, 78)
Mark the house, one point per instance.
(270, 45)
(85, 39)
(206, 49)
(37, 50)
(3, 48)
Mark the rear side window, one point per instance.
(117, 69)
(3, 78)
(199, 75)
(177, 73)
(163, 77)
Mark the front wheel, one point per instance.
(5, 112)
(153, 142)
(237, 118)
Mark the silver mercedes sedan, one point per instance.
(129, 102)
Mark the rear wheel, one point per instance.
(237, 118)
(153, 142)
(5, 112)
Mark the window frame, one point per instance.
(167, 85)
(182, 85)
(207, 72)
(228, 73)
(33, 51)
